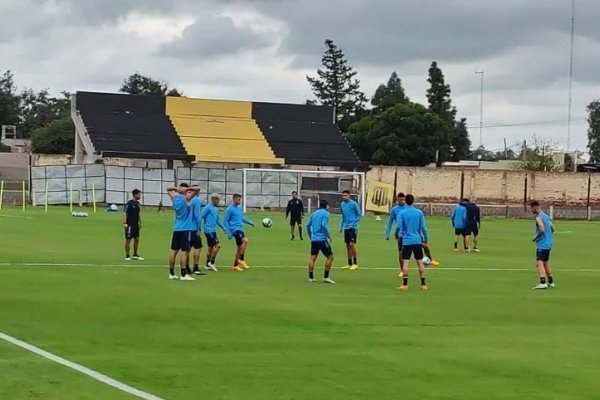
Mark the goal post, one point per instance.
(264, 188)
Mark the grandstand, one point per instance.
(209, 131)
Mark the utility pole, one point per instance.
(480, 73)
(570, 106)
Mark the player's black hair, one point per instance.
(410, 199)
(465, 200)
(346, 192)
(184, 185)
(294, 192)
(237, 196)
(401, 194)
(534, 203)
(323, 204)
(135, 192)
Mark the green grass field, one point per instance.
(479, 333)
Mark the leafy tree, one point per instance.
(9, 101)
(407, 134)
(508, 155)
(58, 137)
(336, 85)
(438, 97)
(389, 95)
(140, 84)
(540, 157)
(481, 154)
(39, 109)
(4, 148)
(593, 110)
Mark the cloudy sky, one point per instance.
(263, 49)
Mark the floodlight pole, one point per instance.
(481, 73)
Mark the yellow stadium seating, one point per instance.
(220, 131)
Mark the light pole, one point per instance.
(570, 106)
(481, 73)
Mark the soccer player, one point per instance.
(182, 228)
(196, 235)
(543, 241)
(349, 225)
(318, 232)
(459, 223)
(295, 209)
(132, 224)
(234, 224)
(209, 219)
(414, 234)
(473, 223)
(390, 223)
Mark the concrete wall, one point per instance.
(490, 186)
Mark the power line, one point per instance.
(517, 124)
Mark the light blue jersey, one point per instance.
(459, 217)
(412, 225)
(545, 241)
(209, 219)
(184, 218)
(392, 220)
(318, 226)
(350, 215)
(196, 206)
(234, 220)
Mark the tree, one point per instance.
(58, 137)
(4, 148)
(39, 109)
(509, 154)
(140, 84)
(438, 97)
(9, 101)
(336, 85)
(407, 134)
(389, 95)
(481, 154)
(593, 119)
(540, 157)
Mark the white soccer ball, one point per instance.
(267, 222)
(426, 260)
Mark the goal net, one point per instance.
(271, 188)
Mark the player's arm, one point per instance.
(309, 227)
(390, 223)
(301, 208)
(424, 232)
(220, 225)
(325, 226)
(247, 221)
(191, 192)
(226, 219)
(288, 208)
(478, 216)
(172, 192)
(357, 212)
(541, 229)
(342, 218)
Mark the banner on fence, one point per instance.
(380, 197)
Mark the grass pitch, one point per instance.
(480, 332)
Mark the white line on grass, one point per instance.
(80, 368)
(139, 265)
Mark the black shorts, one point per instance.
(321, 246)
(542, 255)
(181, 240)
(399, 244)
(350, 236)
(472, 229)
(132, 232)
(195, 241)
(295, 221)
(211, 239)
(460, 232)
(239, 237)
(412, 249)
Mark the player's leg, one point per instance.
(127, 249)
(348, 249)
(427, 250)
(465, 236)
(475, 232)
(353, 249)
(243, 248)
(292, 228)
(299, 223)
(400, 260)
(173, 255)
(456, 239)
(418, 253)
(185, 246)
(327, 252)
(406, 254)
(197, 252)
(541, 257)
(549, 276)
(136, 247)
(311, 266)
(213, 257)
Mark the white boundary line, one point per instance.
(137, 265)
(80, 368)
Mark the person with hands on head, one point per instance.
(234, 224)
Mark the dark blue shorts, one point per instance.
(542, 255)
(472, 229)
(239, 237)
(181, 240)
(132, 232)
(412, 249)
(211, 239)
(350, 236)
(460, 231)
(399, 244)
(196, 240)
(321, 247)
(295, 220)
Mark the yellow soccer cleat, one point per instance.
(243, 264)
(353, 267)
(403, 288)
(435, 263)
(401, 274)
(346, 267)
(237, 268)
(424, 288)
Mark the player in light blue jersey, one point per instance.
(318, 232)
(459, 223)
(351, 216)
(392, 221)
(183, 226)
(543, 239)
(414, 235)
(196, 244)
(234, 224)
(209, 221)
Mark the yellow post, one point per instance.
(71, 197)
(46, 197)
(24, 198)
(94, 195)
(1, 193)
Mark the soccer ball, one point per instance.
(426, 260)
(267, 222)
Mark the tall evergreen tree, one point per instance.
(336, 85)
(594, 130)
(438, 97)
(9, 100)
(389, 95)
